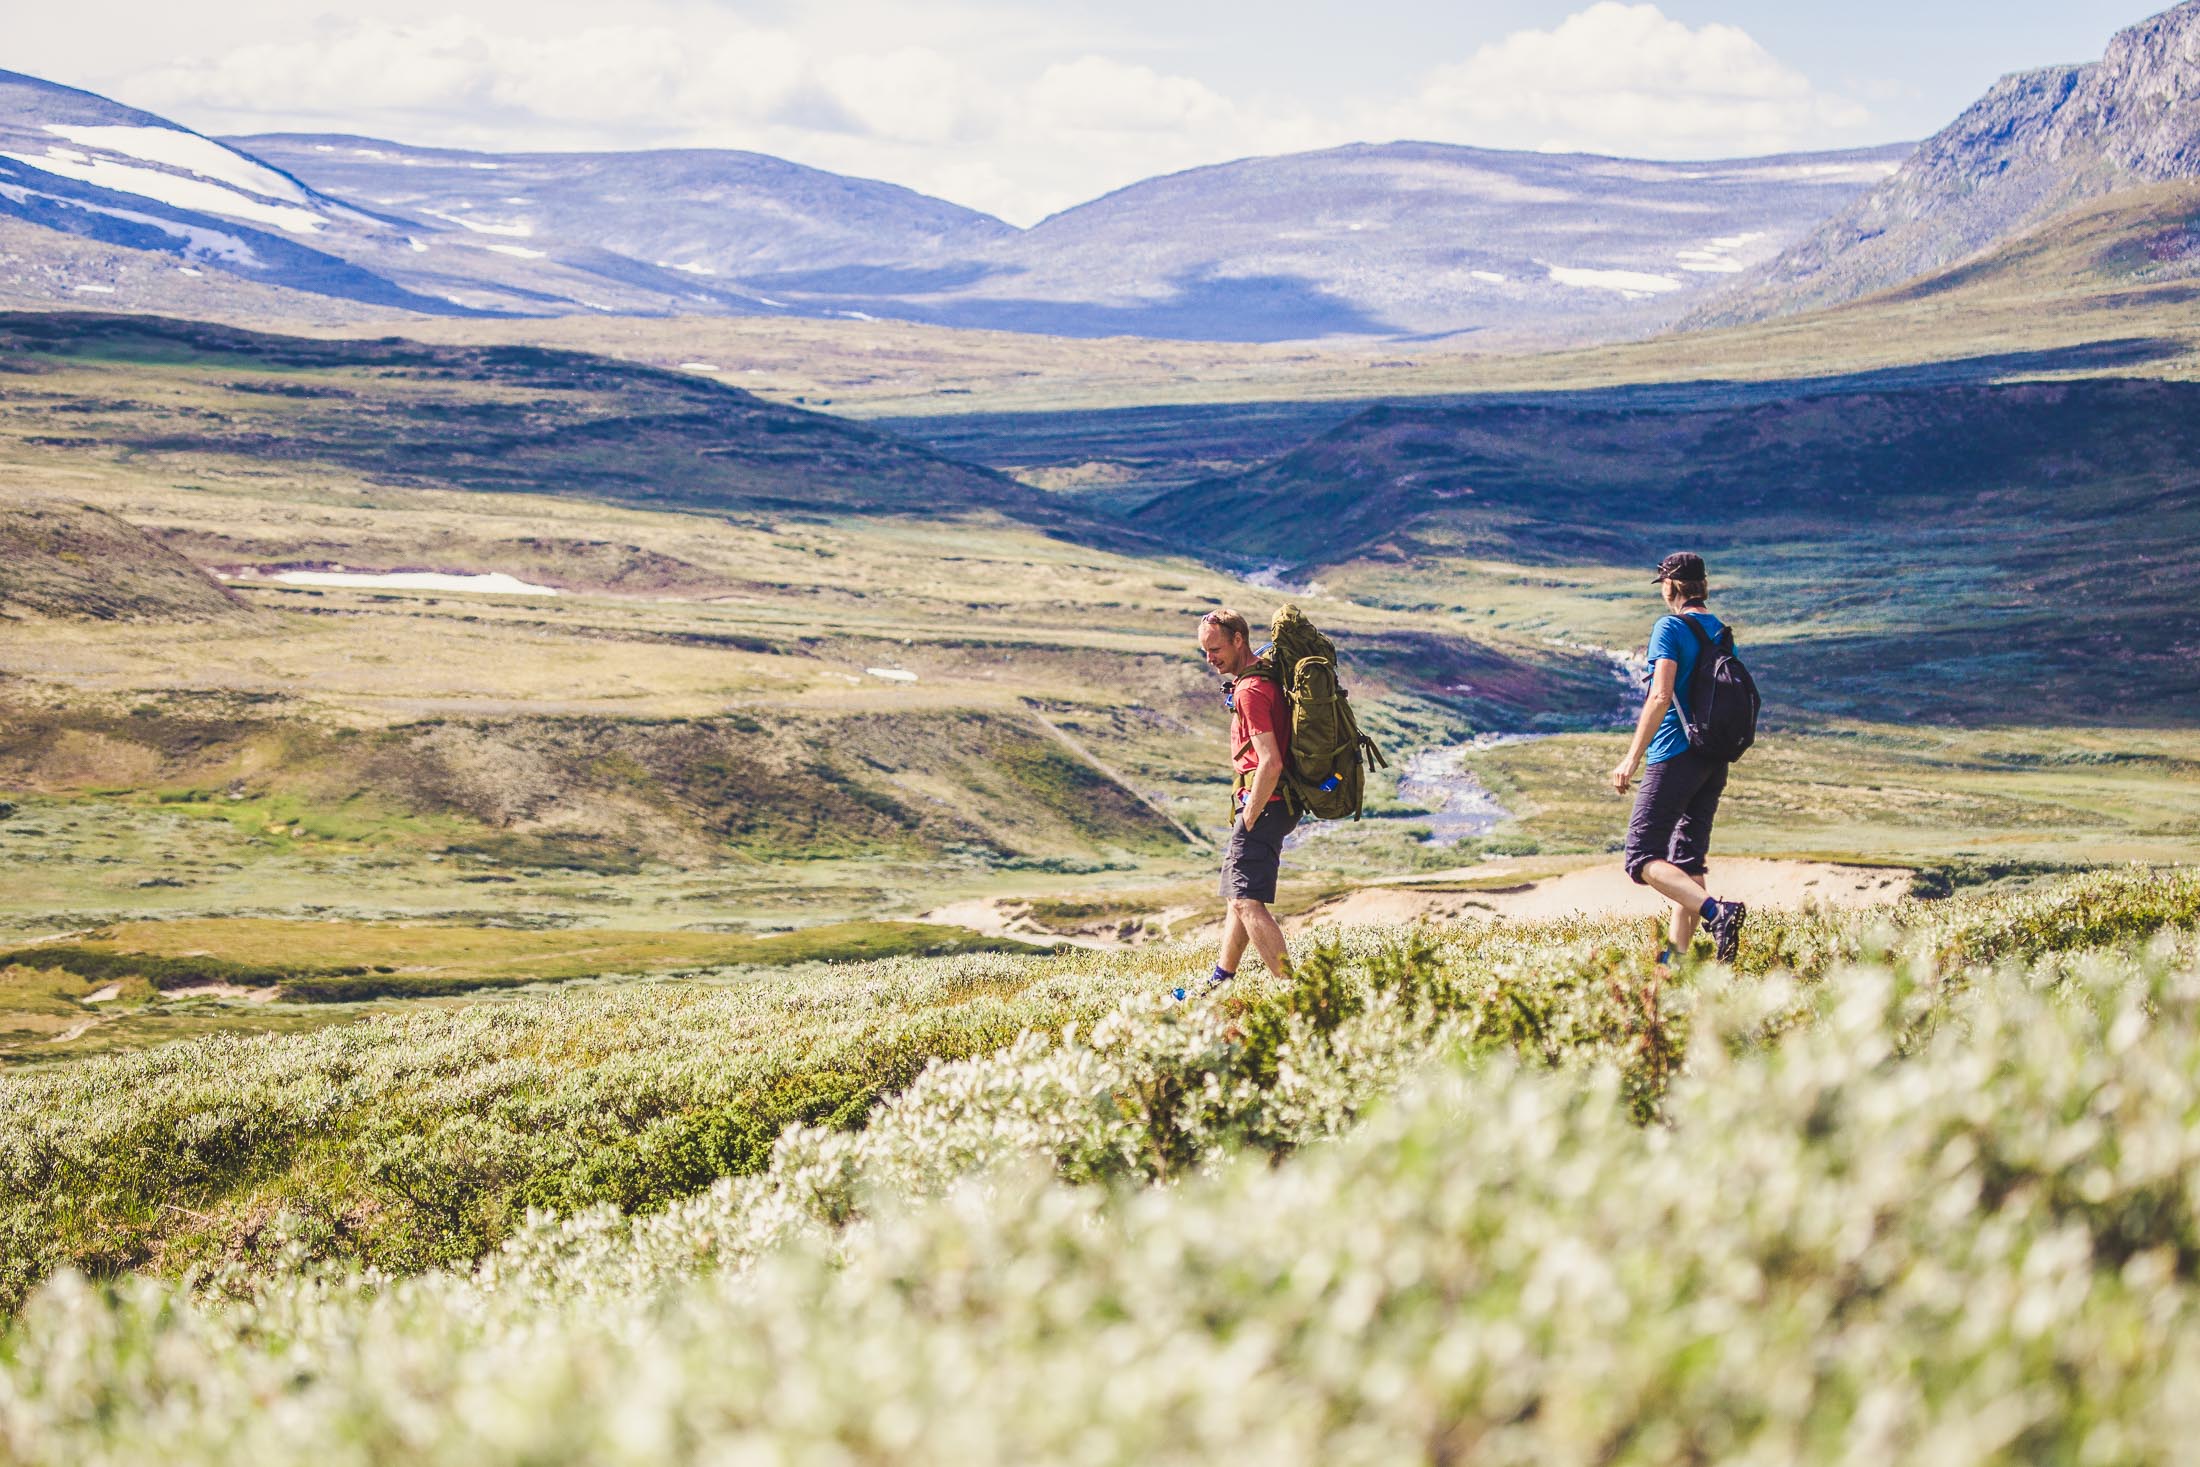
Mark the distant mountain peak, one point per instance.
(2038, 142)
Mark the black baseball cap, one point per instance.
(1681, 565)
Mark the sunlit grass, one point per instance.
(1895, 1183)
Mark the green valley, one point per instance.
(609, 856)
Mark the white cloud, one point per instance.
(1628, 79)
(912, 94)
(1015, 112)
(616, 76)
(897, 112)
(1099, 94)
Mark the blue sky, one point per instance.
(1022, 107)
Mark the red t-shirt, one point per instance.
(1259, 710)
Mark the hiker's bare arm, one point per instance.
(1265, 778)
(1662, 678)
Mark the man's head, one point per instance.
(1681, 576)
(1226, 640)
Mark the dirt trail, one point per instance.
(1471, 893)
(1008, 917)
(1603, 890)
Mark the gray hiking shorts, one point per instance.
(1253, 857)
(1674, 807)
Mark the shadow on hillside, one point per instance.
(880, 280)
(1164, 436)
(1195, 307)
(2120, 354)
(2120, 675)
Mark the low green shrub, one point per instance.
(1923, 1195)
(423, 1139)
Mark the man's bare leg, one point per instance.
(1253, 919)
(1686, 892)
(1234, 938)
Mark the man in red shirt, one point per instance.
(1260, 730)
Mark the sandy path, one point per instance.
(1604, 890)
(222, 990)
(1007, 917)
(1600, 890)
(989, 917)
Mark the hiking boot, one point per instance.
(1214, 981)
(1726, 930)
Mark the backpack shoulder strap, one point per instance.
(1263, 669)
(1703, 638)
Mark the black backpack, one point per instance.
(1720, 711)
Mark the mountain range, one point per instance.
(1399, 240)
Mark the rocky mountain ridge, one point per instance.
(2038, 143)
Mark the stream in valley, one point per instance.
(1460, 807)
(1457, 805)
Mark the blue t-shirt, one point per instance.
(1669, 639)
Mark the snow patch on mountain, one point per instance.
(1858, 171)
(1717, 256)
(1634, 284)
(198, 241)
(188, 151)
(520, 230)
(197, 194)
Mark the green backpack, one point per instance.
(1325, 775)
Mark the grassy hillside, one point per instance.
(733, 716)
(1985, 801)
(2139, 244)
(2006, 553)
(401, 414)
(1909, 1184)
(72, 561)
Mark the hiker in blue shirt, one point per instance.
(1669, 836)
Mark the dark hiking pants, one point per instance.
(1674, 807)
